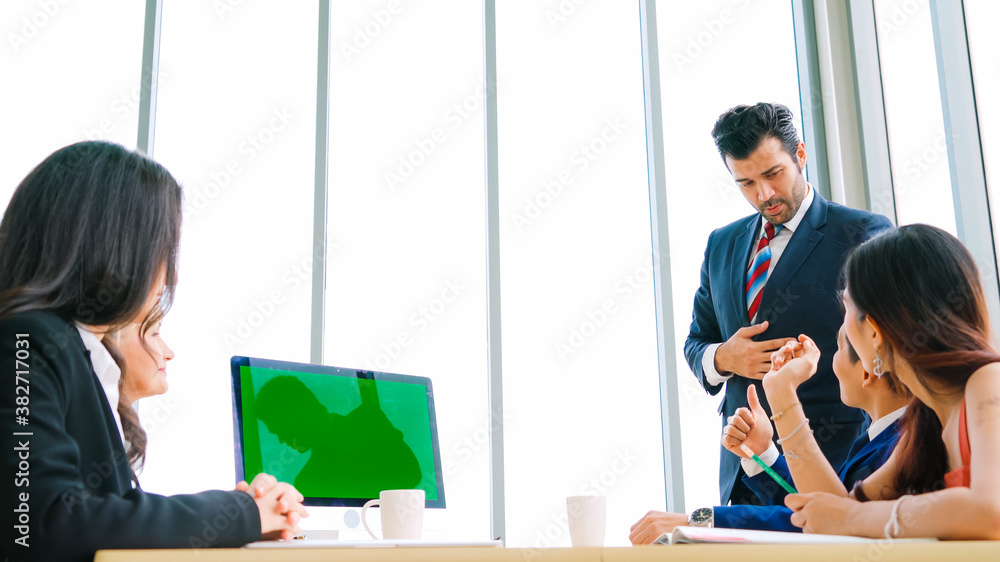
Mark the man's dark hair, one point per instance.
(740, 129)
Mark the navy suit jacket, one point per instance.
(801, 296)
(866, 457)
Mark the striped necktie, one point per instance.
(757, 274)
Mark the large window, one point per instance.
(70, 73)
(704, 49)
(581, 396)
(405, 288)
(918, 146)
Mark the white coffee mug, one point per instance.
(586, 520)
(402, 514)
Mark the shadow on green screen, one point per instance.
(359, 454)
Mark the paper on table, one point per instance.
(382, 543)
(695, 535)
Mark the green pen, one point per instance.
(788, 487)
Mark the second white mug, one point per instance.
(402, 514)
(586, 520)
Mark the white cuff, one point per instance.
(770, 456)
(708, 366)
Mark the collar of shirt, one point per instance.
(793, 223)
(107, 371)
(885, 421)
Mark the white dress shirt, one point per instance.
(778, 244)
(885, 421)
(771, 454)
(107, 371)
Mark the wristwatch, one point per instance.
(702, 517)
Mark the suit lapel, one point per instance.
(742, 247)
(863, 449)
(860, 445)
(801, 244)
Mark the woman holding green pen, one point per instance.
(914, 305)
(884, 398)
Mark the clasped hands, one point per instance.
(280, 506)
(741, 355)
(791, 365)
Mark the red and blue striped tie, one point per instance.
(757, 274)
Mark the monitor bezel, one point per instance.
(238, 361)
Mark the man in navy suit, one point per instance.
(771, 276)
(883, 398)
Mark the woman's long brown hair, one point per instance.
(921, 286)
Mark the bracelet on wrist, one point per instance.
(781, 414)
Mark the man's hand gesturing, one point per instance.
(742, 356)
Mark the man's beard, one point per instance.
(791, 206)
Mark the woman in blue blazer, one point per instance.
(88, 245)
(883, 398)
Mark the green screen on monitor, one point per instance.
(340, 436)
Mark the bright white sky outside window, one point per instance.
(984, 49)
(918, 147)
(70, 73)
(581, 389)
(406, 271)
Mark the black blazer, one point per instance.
(800, 297)
(70, 479)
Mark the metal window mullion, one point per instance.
(811, 95)
(150, 75)
(673, 467)
(965, 151)
(317, 323)
(871, 108)
(494, 373)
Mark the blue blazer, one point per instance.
(866, 457)
(801, 297)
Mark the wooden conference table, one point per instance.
(874, 552)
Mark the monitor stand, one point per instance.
(332, 523)
(344, 523)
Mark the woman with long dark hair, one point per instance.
(914, 305)
(88, 245)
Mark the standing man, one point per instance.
(771, 276)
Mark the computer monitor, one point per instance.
(340, 436)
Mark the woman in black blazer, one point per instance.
(88, 245)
